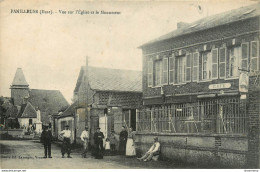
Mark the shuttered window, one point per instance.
(206, 65)
(214, 53)
(181, 66)
(188, 67)
(150, 73)
(222, 62)
(195, 68)
(158, 73)
(165, 71)
(234, 61)
(171, 69)
(254, 56)
(244, 62)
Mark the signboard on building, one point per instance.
(219, 86)
(243, 82)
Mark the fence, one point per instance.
(204, 116)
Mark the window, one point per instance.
(165, 71)
(206, 65)
(245, 49)
(150, 73)
(214, 53)
(188, 67)
(234, 61)
(254, 56)
(222, 62)
(195, 69)
(181, 66)
(158, 72)
(171, 69)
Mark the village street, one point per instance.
(17, 154)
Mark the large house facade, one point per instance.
(201, 89)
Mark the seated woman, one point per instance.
(130, 144)
(153, 151)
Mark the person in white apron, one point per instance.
(130, 144)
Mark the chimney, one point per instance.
(181, 25)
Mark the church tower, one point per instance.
(19, 88)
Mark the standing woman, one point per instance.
(130, 144)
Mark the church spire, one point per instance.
(19, 88)
(19, 79)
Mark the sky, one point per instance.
(51, 48)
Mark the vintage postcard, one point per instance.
(129, 84)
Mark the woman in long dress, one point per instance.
(130, 144)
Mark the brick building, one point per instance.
(106, 98)
(194, 96)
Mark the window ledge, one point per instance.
(232, 78)
(205, 80)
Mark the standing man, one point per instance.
(46, 139)
(66, 148)
(85, 138)
(122, 140)
(98, 140)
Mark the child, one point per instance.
(107, 147)
(113, 142)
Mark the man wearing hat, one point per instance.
(85, 138)
(46, 138)
(98, 140)
(66, 134)
(153, 151)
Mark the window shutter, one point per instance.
(222, 62)
(195, 69)
(188, 67)
(150, 73)
(244, 48)
(165, 71)
(254, 56)
(214, 55)
(171, 69)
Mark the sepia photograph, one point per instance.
(130, 85)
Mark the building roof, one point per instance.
(69, 111)
(27, 111)
(49, 101)
(11, 112)
(106, 79)
(115, 79)
(211, 22)
(19, 78)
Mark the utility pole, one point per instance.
(86, 93)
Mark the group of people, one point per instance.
(126, 143)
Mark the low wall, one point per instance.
(15, 133)
(201, 149)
